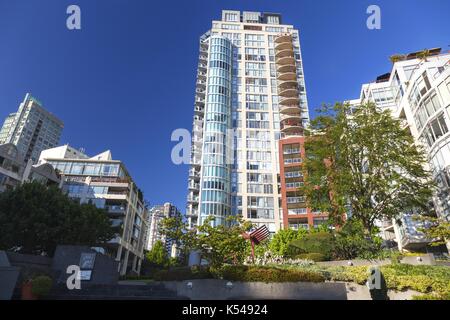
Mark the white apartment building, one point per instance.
(32, 129)
(417, 90)
(106, 183)
(237, 89)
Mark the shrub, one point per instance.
(426, 279)
(268, 274)
(319, 242)
(314, 256)
(279, 244)
(41, 286)
(351, 242)
(184, 273)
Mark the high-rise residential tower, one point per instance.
(32, 129)
(156, 214)
(250, 95)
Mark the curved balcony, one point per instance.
(284, 45)
(286, 68)
(287, 84)
(284, 53)
(289, 92)
(286, 76)
(290, 60)
(291, 118)
(289, 109)
(283, 38)
(288, 130)
(289, 101)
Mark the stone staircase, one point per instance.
(153, 291)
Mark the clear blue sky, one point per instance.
(127, 79)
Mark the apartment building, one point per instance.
(417, 91)
(156, 214)
(32, 129)
(106, 183)
(250, 95)
(14, 170)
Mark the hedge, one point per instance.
(425, 279)
(240, 273)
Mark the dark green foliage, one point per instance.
(240, 273)
(184, 273)
(35, 219)
(318, 242)
(41, 286)
(352, 241)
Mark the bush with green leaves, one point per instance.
(352, 241)
(433, 280)
(279, 243)
(183, 273)
(268, 274)
(317, 242)
(41, 285)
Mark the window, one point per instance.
(231, 16)
(273, 20)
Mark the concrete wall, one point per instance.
(361, 292)
(105, 268)
(211, 289)
(356, 262)
(425, 259)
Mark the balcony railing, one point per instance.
(292, 161)
(295, 199)
(293, 174)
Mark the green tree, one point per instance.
(223, 243)
(362, 161)
(177, 229)
(158, 255)
(280, 241)
(35, 219)
(351, 242)
(436, 228)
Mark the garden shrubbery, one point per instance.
(240, 273)
(432, 280)
(318, 242)
(313, 256)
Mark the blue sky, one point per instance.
(126, 80)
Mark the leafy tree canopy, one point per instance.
(35, 219)
(362, 161)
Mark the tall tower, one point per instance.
(250, 94)
(32, 129)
